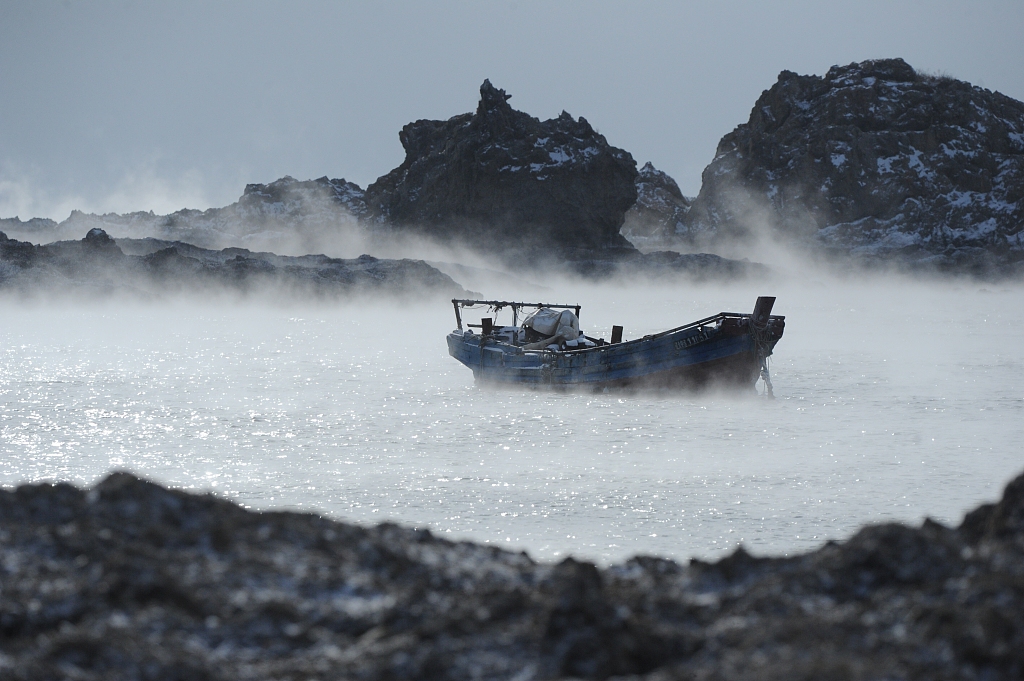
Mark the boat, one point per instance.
(547, 349)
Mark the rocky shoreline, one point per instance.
(129, 580)
(98, 265)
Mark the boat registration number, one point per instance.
(684, 343)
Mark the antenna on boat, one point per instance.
(458, 314)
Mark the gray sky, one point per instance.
(118, 106)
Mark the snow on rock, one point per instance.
(659, 207)
(874, 160)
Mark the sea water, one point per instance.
(895, 400)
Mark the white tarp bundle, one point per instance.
(550, 322)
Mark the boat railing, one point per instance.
(713, 319)
(721, 316)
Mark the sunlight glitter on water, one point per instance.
(882, 412)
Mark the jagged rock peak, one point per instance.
(492, 98)
(651, 178)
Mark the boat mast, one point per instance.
(458, 315)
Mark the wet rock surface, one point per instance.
(500, 179)
(877, 161)
(129, 580)
(99, 264)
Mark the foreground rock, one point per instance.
(507, 183)
(100, 265)
(132, 581)
(873, 160)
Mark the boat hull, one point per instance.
(697, 356)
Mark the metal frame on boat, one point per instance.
(727, 349)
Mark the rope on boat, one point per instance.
(766, 378)
(762, 343)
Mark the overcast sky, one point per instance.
(119, 106)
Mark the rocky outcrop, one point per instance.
(503, 181)
(287, 214)
(873, 160)
(658, 212)
(537, 195)
(151, 267)
(129, 580)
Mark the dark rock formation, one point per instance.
(500, 179)
(300, 217)
(874, 160)
(658, 212)
(132, 581)
(156, 267)
(1001, 521)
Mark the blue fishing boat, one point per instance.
(548, 349)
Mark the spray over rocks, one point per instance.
(131, 580)
(286, 215)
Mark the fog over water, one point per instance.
(895, 400)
